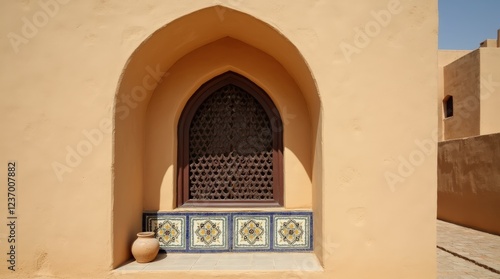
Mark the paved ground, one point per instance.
(466, 253)
(462, 253)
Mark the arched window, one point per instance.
(448, 106)
(230, 146)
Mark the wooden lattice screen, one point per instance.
(230, 146)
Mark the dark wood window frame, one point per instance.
(189, 111)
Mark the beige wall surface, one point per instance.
(445, 57)
(474, 82)
(490, 90)
(77, 87)
(488, 43)
(462, 81)
(469, 182)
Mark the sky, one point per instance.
(463, 24)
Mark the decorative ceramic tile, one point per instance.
(251, 232)
(201, 232)
(292, 232)
(209, 232)
(169, 230)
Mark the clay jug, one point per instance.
(145, 247)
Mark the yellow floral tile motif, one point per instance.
(252, 231)
(167, 232)
(291, 232)
(170, 231)
(208, 232)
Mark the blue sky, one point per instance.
(463, 24)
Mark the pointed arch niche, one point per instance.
(182, 56)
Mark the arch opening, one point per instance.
(157, 59)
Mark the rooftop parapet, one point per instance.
(491, 42)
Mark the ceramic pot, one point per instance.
(145, 247)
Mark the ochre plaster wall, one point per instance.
(472, 79)
(81, 74)
(462, 81)
(469, 182)
(490, 90)
(445, 57)
(205, 26)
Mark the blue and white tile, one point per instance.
(169, 230)
(251, 232)
(206, 232)
(209, 232)
(292, 232)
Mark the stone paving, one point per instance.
(462, 253)
(466, 253)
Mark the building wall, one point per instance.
(472, 79)
(469, 182)
(468, 177)
(206, 39)
(445, 57)
(462, 81)
(74, 115)
(490, 90)
(489, 43)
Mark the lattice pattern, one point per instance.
(230, 148)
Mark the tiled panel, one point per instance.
(209, 232)
(292, 232)
(199, 232)
(170, 230)
(251, 232)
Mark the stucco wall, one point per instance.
(469, 182)
(472, 80)
(445, 57)
(462, 81)
(490, 90)
(73, 112)
(149, 126)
